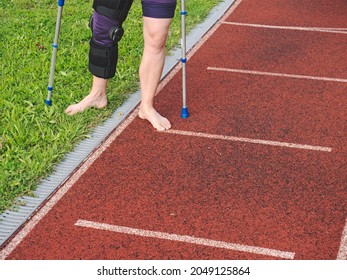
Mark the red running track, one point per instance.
(258, 171)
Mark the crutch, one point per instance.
(48, 101)
(184, 112)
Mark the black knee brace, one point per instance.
(115, 33)
(103, 59)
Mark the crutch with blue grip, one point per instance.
(184, 112)
(48, 101)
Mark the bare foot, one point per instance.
(158, 121)
(96, 97)
(95, 100)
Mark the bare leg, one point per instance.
(96, 98)
(155, 32)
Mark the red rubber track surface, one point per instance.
(280, 198)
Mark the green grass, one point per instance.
(33, 136)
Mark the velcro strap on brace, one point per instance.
(103, 60)
(117, 9)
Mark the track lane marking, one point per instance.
(186, 239)
(242, 71)
(342, 254)
(248, 140)
(299, 28)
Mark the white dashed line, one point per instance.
(298, 28)
(186, 239)
(249, 140)
(326, 79)
(342, 254)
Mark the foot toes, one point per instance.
(158, 122)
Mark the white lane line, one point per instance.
(327, 79)
(313, 29)
(342, 254)
(186, 239)
(249, 140)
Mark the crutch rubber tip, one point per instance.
(48, 102)
(184, 113)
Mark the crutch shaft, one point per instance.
(184, 113)
(54, 51)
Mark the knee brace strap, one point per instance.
(103, 60)
(117, 9)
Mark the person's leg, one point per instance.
(155, 31)
(96, 98)
(106, 25)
